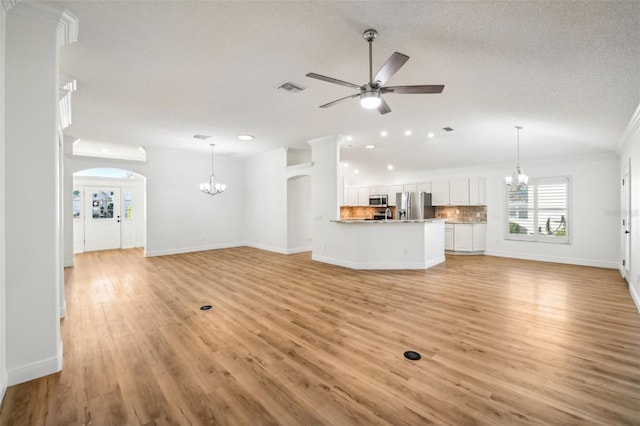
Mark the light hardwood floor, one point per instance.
(295, 342)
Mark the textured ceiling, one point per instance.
(155, 73)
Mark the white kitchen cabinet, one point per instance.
(459, 192)
(351, 196)
(392, 190)
(479, 237)
(463, 237)
(409, 187)
(363, 196)
(448, 236)
(377, 189)
(477, 191)
(424, 187)
(440, 193)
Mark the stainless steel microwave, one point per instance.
(378, 200)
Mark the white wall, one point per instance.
(32, 233)
(325, 187)
(630, 154)
(299, 214)
(595, 199)
(3, 357)
(265, 214)
(180, 218)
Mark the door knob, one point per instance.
(626, 232)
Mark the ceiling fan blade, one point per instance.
(332, 80)
(434, 88)
(339, 100)
(393, 64)
(384, 107)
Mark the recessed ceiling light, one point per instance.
(430, 135)
(345, 164)
(356, 171)
(390, 167)
(407, 132)
(245, 137)
(105, 149)
(349, 138)
(383, 133)
(369, 146)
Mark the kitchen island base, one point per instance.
(384, 244)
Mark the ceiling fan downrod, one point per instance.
(370, 35)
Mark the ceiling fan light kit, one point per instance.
(370, 99)
(370, 93)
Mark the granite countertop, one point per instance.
(387, 221)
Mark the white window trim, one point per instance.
(537, 238)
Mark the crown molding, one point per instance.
(65, 21)
(8, 4)
(67, 28)
(631, 133)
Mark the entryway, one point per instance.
(108, 210)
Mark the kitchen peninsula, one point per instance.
(391, 244)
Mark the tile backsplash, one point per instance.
(362, 212)
(462, 213)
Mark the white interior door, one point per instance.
(102, 218)
(626, 219)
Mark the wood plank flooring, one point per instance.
(295, 342)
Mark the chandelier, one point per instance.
(212, 187)
(518, 180)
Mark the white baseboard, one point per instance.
(3, 384)
(553, 259)
(362, 265)
(35, 370)
(68, 263)
(63, 309)
(266, 247)
(298, 250)
(168, 252)
(634, 295)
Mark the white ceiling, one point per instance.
(154, 73)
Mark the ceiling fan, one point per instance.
(370, 93)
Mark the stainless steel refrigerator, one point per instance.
(414, 206)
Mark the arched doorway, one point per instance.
(108, 207)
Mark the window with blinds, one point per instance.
(539, 212)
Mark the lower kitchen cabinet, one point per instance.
(448, 236)
(465, 237)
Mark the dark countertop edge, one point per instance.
(386, 221)
(467, 223)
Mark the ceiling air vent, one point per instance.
(291, 87)
(202, 137)
(447, 129)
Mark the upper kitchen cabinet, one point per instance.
(350, 196)
(409, 187)
(459, 192)
(477, 191)
(440, 192)
(392, 190)
(363, 196)
(424, 187)
(377, 189)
